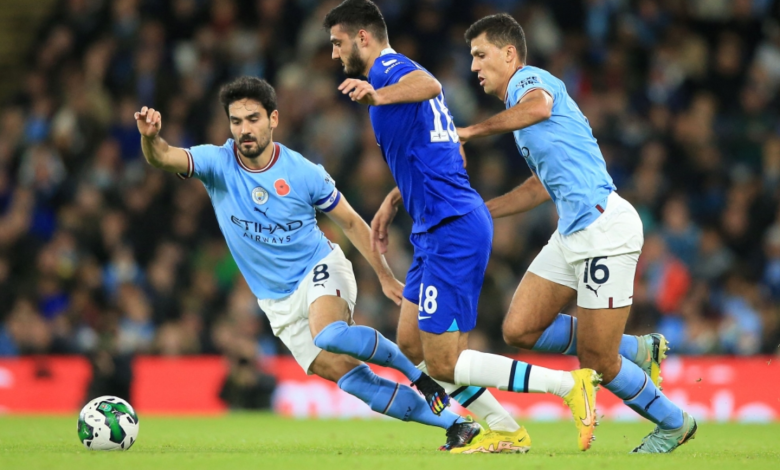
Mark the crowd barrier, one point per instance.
(711, 388)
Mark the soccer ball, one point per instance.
(108, 423)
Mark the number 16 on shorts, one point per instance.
(427, 304)
(607, 281)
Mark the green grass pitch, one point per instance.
(262, 441)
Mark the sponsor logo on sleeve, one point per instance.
(529, 81)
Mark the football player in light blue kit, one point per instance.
(592, 255)
(264, 196)
(451, 234)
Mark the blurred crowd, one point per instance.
(102, 255)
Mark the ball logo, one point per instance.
(281, 186)
(259, 195)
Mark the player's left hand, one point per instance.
(464, 134)
(393, 289)
(360, 91)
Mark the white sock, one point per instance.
(503, 373)
(484, 407)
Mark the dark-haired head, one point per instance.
(357, 28)
(500, 30)
(250, 104)
(248, 87)
(498, 49)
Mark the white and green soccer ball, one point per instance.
(108, 423)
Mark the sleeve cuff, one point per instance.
(538, 87)
(327, 204)
(190, 167)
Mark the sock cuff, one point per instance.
(572, 334)
(323, 337)
(462, 373)
(361, 372)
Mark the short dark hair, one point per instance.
(502, 30)
(248, 87)
(354, 15)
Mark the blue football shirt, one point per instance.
(421, 147)
(268, 215)
(562, 152)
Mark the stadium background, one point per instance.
(105, 258)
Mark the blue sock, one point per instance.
(561, 337)
(393, 399)
(637, 391)
(366, 344)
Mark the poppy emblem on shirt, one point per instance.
(259, 195)
(281, 186)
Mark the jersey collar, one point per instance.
(273, 160)
(387, 50)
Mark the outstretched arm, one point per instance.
(156, 150)
(523, 198)
(535, 107)
(413, 87)
(356, 229)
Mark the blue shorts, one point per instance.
(447, 272)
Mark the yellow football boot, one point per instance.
(498, 442)
(651, 351)
(582, 402)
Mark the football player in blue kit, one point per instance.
(592, 256)
(452, 234)
(265, 197)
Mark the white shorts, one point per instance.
(289, 316)
(598, 262)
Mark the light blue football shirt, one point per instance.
(268, 215)
(562, 152)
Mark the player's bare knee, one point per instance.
(519, 336)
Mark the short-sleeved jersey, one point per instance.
(562, 152)
(268, 215)
(421, 147)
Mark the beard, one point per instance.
(255, 152)
(354, 65)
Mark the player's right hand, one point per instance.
(380, 224)
(149, 122)
(393, 289)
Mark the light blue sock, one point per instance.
(637, 391)
(393, 399)
(561, 337)
(366, 344)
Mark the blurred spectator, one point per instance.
(246, 387)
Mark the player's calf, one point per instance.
(606, 365)
(407, 336)
(442, 352)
